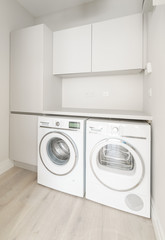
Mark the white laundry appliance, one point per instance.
(118, 164)
(61, 154)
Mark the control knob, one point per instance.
(57, 124)
(115, 130)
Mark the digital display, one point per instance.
(75, 125)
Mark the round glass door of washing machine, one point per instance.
(58, 153)
(117, 165)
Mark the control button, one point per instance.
(57, 124)
(115, 130)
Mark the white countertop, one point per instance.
(100, 113)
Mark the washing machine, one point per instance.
(118, 164)
(61, 154)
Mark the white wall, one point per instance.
(155, 106)
(95, 11)
(12, 16)
(125, 92)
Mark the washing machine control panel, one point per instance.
(67, 124)
(58, 123)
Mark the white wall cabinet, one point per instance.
(23, 138)
(32, 86)
(117, 44)
(72, 50)
(113, 45)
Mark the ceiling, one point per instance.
(39, 8)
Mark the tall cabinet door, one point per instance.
(26, 86)
(117, 44)
(72, 50)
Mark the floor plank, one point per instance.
(29, 211)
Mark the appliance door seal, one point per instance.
(116, 164)
(58, 153)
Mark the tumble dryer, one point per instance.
(61, 154)
(118, 164)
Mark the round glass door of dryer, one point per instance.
(58, 153)
(117, 165)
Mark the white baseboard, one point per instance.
(5, 165)
(26, 166)
(156, 223)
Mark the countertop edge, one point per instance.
(132, 116)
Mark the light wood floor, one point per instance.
(29, 211)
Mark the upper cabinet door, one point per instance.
(117, 44)
(26, 83)
(72, 50)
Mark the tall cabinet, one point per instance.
(33, 88)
